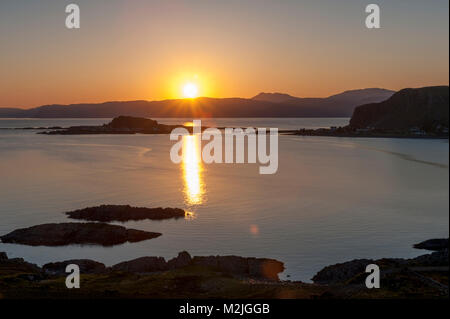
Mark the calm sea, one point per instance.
(332, 199)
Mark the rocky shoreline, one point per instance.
(375, 133)
(184, 276)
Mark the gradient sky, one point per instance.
(144, 49)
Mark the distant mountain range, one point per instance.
(424, 108)
(262, 105)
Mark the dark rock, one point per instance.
(234, 265)
(433, 244)
(341, 272)
(107, 213)
(436, 259)
(18, 265)
(265, 268)
(87, 266)
(76, 233)
(142, 265)
(207, 261)
(130, 122)
(182, 260)
(253, 267)
(423, 108)
(3, 256)
(120, 125)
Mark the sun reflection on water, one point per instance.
(192, 170)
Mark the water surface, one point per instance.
(332, 199)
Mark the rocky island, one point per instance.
(122, 213)
(120, 125)
(76, 233)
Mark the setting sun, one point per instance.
(190, 90)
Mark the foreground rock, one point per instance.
(184, 277)
(252, 267)
(341, 272)
(17, 265)
(436, 259)
(263, 268)
(258, 268)
(433, 244)
(108, 213)
(190, 281)
(87, 266)
(142, 265)
(76, 233)
(344, 272)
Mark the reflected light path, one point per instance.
(192, 170)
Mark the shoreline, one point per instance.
(425, 276)
(54, 131)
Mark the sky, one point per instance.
(148, 50)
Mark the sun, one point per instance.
(190, 90)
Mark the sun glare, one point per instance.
(190, 90)
(192, 168)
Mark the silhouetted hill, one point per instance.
(361, 96)
(274, 97)
(11, 112)
(340, 105)
(423, 108)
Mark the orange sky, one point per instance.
(149, 49)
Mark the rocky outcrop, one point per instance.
(17, 265)
(130, 122)
(142, 265)
(108, 213)
(436, 259)
(86, 266)
(183, 259)
(120, 125)
(409, 109)
(433, 244)
(252, 267)
(233, 265)
(343, 272)
(261, 268)
(76, 233)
